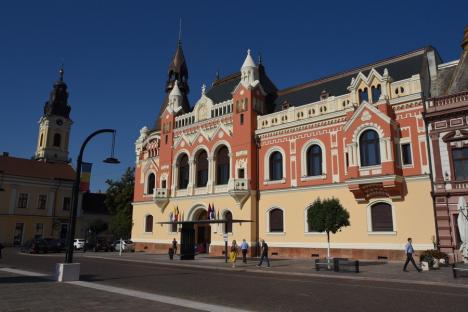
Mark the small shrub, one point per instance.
(431, 254)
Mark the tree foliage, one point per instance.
(327, 216)
(119, 197)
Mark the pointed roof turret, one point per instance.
(178, 67)
(248, 62)
(58, 99)
(175, 91)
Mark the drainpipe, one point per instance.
(257, 197)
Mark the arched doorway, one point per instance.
(202, 232)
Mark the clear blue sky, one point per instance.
(117, 53)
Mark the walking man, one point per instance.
(244, 248)
(409, 255)
(174, 246)
(264, 255)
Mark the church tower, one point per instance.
(177, 73)
(55, 125)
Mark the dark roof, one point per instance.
(459, 82)
(94, 203)
(399, 67)
(58, 99)
(444, 76)
(35, 169)
(222, 88)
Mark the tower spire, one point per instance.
(180, 30)
(61, 72)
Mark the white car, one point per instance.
(78, 243)
(127, 245)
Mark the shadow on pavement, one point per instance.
(22, 279)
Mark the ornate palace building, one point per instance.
(248, 150)
(447, 119)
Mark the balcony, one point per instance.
(161, 197)
(239, 190)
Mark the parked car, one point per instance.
(78, 243)
(34, 246)
(127, 245)
(55, 245)
(99, 245)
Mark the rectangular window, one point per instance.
(460, 163)
(41, 201)
(406, 154)
(241, 119)
(18, 235)
(163, 184)
(23, 200)
(66, 203)
(347, 160)
(39, 231)
(241, 173)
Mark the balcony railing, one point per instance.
(239, 190)
(161, 197)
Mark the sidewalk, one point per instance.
(369, 270)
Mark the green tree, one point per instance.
(119, 197)
(327, 216)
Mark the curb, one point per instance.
(296, 274)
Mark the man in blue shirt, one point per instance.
(244, 247)
(409, 256)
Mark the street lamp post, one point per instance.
(76, 188)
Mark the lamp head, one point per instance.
(111, 160)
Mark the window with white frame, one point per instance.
(276, 166)
(22, 200)
(276, 221)
(381, 217)
(150, 183)
(41, 201)
(314, 160)
(406, 155)
(369, 147)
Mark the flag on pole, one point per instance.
(85, 176)
(208, 212)
(177, 214)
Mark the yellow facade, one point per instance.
(33, 220)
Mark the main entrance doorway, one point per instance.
(202, 232)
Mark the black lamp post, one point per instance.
(76, 188)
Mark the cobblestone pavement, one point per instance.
(36, 294)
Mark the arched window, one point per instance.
(363, 96)
(228, 226)
(276, 166)
(150, 184)
(381, 217)
(202, 169)
(276, 220)
(57, 139)
(42, 139)
(369, 148)
(222, 166)
(314, 160)
(376, 92)
(183, 172)
(149, 223)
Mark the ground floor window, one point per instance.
(381, 217)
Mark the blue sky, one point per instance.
(117, 52)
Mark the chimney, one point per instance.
(464, 43)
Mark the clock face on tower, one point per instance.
(59, 122)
